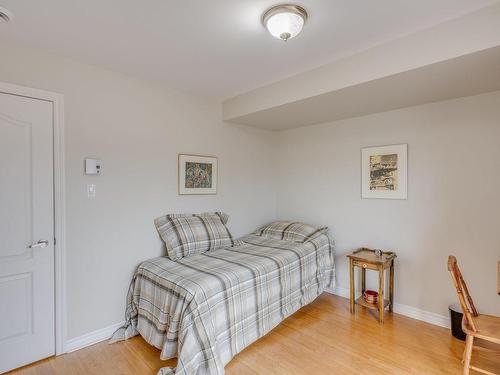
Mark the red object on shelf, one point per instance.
(370, 296)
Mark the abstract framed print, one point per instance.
(197, 174)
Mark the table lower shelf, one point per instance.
(373, 306)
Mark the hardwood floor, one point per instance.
(321, 338)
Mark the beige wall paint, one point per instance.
(136, 128)
(453, 204)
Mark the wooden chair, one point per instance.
(473, 324)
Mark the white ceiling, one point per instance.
(215, 48)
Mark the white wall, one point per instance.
(453, 204)
(137, 129)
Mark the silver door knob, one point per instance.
(40, 243)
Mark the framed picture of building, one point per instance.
(384, 172)
(197, 174)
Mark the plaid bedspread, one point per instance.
(207, 308)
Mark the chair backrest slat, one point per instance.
(464, 296)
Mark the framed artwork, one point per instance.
(197, 174)
(384, 172)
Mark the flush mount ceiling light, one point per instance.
(285, 21)
(5, 15)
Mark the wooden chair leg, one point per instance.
(469, 341)
(464, 354)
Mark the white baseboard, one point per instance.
(91, 338)
(409, 311)
(102, 334)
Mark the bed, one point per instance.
(206, 308)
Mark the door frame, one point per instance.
(57, 101)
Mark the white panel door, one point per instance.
(26, 217)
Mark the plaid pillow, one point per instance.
(190, 234)
(290, 231)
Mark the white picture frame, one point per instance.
(384, 172)
(197, 174)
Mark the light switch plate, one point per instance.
(91, 190)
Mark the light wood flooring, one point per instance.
(321, 338)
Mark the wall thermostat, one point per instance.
(92, 166)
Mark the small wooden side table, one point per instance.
(367, 259)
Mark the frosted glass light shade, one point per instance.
(285, 21)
